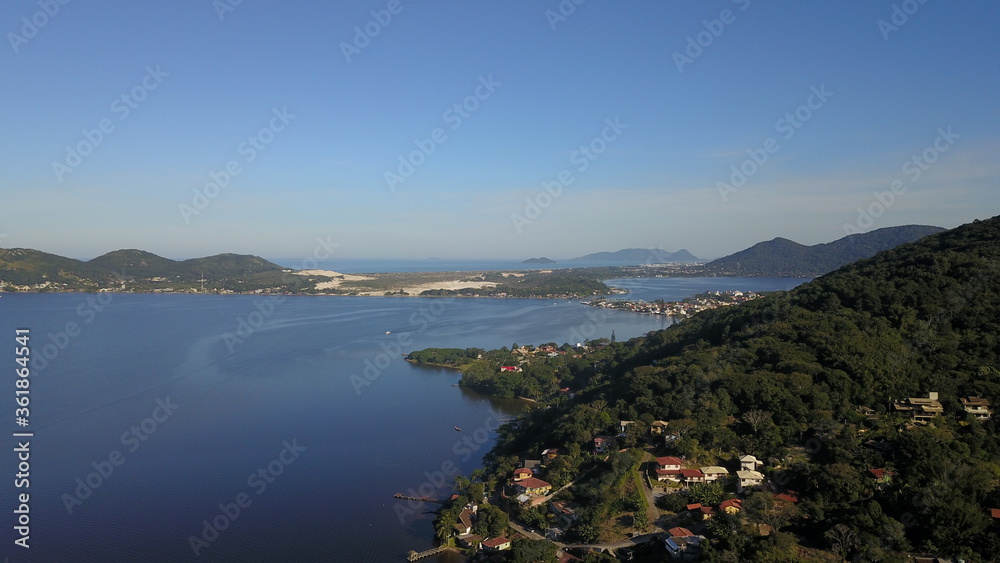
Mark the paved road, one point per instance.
(652, 511)
(617, 545)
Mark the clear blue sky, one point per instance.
(554, 84)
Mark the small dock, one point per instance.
(421, 499)
(414, 555)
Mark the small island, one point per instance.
(541, 260)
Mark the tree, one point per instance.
(756, 419)
(445, 524)
(524, 550)
(708, 494)
(843, 539)
(491, 522)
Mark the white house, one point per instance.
(714, 473)
(748, 479)
(750, 463)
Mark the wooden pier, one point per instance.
(414, 555)
(421, 499)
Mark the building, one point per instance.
(692, 476)
(496, 544)
(602, 444)
(535, 465)
(657, 427)
(668, 468)
(748, 479)
(731, 506)
(921, 410)
(464, 525)
(564, 510)
(977, 406)
(750, 463)
(532, 486)
(714, 473)
(682, 545)
(523, 473)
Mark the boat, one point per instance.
(458, 429)
(388, 332)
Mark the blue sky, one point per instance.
(331, 129)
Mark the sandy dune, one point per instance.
(334, 283)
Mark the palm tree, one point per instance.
(444, 525)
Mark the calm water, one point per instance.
(281, 400)
(360, 266)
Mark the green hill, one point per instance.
(140, 270)
(788, 378)
(24, 266)
(781, 257)
(136, 263)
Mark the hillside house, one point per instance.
(532, 486)
(977, 406)
(522, 473)
(692, 476)
(731, 506)
(565, 511)
(668, 468)
(921, 410)
(657, 427)
(750, 463)
(603, 444)
(748, 479)
(714, 473)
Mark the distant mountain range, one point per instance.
(638, 256)
(781, 257)
(22, 266)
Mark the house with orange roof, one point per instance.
(496, 544)
(731, 506)
(668, 468)
(532, 486)
(523, 473)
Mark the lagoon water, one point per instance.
(164, 411)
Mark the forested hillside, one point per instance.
(782, 257)
(806, 381)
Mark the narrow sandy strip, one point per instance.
(334, 283)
